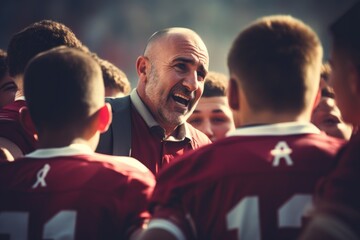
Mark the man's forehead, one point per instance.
(183, 45)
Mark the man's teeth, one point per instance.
(181, 99)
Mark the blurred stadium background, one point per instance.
(117, 30)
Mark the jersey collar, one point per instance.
(278, 129)
(71, 150)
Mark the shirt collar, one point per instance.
(178, 135)
(20, 98)
(278, 129)
(71, 150)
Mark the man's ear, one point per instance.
(105, 118)
(233, 94)
(26, 122)
(141, 67)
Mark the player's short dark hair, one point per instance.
(59, 87)
(38, 37)
(345, 34)
(216, 85)
(273, 58)
(114, 78)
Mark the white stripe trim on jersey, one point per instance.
(71, 150)
(167, 226)
(278, 129)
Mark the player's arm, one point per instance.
(169, 223)
(333, 221)
(157, 233)
(11, 147)
(328, 227)
(5, 155)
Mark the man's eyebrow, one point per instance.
(185, 60)
(192, 62)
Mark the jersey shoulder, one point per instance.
(127, 166)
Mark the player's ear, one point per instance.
(105, 117)
(141, 67)
(26, 122)
(233, 94)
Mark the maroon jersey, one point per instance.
(339, 192)
(12, 129)
(255, 184)
(73, 193)
(343, 184)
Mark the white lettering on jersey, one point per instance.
(41, 176)
(280, 151)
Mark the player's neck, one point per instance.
(59, 139)
(271, 118)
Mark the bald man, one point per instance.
(150, 124)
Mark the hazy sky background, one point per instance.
(117, 30)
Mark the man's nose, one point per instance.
(191, 81)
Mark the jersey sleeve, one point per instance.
(173, 220)
(133, 195)
(172, 193)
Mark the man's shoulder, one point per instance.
(118, 104)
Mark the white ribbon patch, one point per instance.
(41, 176)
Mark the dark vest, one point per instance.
(117, 139)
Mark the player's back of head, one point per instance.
(277, 62)
(115, 80)
(215, 84)
(63, 87)
(345, 35)
(37, 37)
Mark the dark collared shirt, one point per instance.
(148, 143)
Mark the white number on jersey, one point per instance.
(245, 216)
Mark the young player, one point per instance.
(338, 194)
(64, 190)
(258, 182)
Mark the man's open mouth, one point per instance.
(182, 99)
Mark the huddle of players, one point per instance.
(257, 183)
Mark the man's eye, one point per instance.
(201, 74)
(181, 67)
